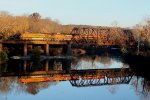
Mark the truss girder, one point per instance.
(98, 35)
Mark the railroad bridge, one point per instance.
(101, 36)
(83, 36)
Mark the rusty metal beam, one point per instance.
(99, 35)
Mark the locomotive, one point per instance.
(45, 36)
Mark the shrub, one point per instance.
(3, 56)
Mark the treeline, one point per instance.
(34, 23)
(142, 31)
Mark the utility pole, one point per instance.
(138, 44)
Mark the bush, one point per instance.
(3, 56)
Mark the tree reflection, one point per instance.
(96, 62)
(6, 84)
(145, 89)
(10, 84)
(140, 65)
(141, 87)
(112, 89)
(34, 88)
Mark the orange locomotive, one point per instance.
(45, 36)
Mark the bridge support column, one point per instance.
(25, 49)
(47, 49)
(1, 47)
(46, 65)
(69, 49)
(29, 47)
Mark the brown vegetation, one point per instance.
(11, 25)
(142, 32)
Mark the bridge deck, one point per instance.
(31, 42)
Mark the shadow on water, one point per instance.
(140, 64)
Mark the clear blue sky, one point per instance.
(90, 12)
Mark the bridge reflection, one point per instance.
(77, 78)
(31, 77)
(65, 70)
(103, 77)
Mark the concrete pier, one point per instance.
(1, 47)
(25, 49)
(47, 49)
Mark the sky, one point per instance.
(126, 13)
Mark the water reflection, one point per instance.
(35, 81)
(98, 62)
(24, 76)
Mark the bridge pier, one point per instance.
(46, 65)
(47, 49)
(1, 47)
(29, 47)
(25, 49)
(69, 49)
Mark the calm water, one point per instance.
(114, 80)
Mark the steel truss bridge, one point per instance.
(101, 36)
(82, 35)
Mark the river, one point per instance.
(80, 78)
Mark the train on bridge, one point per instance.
(45, 36)
(83, 35)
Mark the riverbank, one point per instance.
(42, 57)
